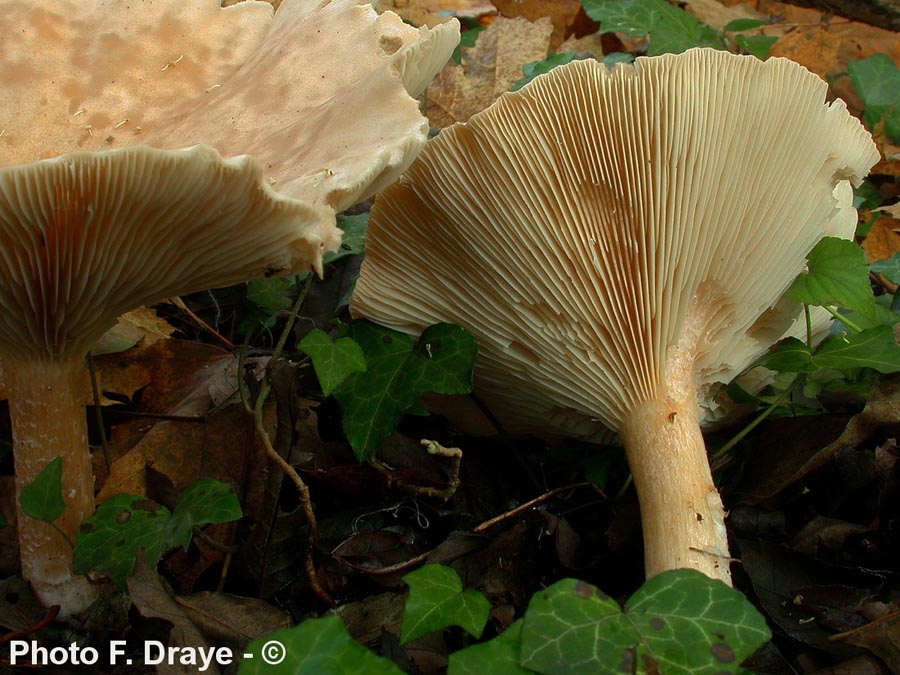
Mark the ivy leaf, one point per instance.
(353, 238)
(269, 295)
(535, 68)
(738, 25)
(877, 81)
(437, 600)
(890, 268)
(398, 371)
(757, 45)
(313, 647)
(788, 356)
(635, 18)
(109, 540)
(42, 498)
(204, 501)
(679, 622)
(838, 275)
(499, 656)
(670, 29)
(333, 361)
(872, 348)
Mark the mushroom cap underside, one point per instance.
(88, 236)
(598, 223)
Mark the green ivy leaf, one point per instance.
(788, 356)
(204, 501)
(499, 656)
(353, 238)
(679, 622)
(890, 268)
(467, 38)
(867, 196)
(738, 25)
(437, 600)
(670, 29)
(872, 348)
(838, 275)
(756, 45)
(313, 647)
(333, 361)
(109, 540)
(635, 18)
(398, 372)
(615, 58)
(269, 294)
(535, 68)
(42, 498)
(877, 81)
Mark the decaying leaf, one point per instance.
(718, 15)
(152, 599)
(188, 435)
(881, 637)
(488, 69)
(233, 619)
(561, 12)
(883, 240)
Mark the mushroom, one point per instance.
(616, 241)
(90, 234)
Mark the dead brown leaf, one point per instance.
(153, 600)
(560, 12)
(881, 637)
(432, 12)
(233, 619)
(590, 45)
(718, 15)
(142, 327)
(815, 47)
(488, 69)
(201, 438)
(883, 240)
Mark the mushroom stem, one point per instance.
(681, 511)
(46, 408)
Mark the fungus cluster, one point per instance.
(101, 210)
(617, 240)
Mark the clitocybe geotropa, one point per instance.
(118, 214)
(616, 241)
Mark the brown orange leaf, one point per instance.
(203, 439)
(560, 12)
(883, 240)
(488, 69)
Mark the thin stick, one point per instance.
(179, 303)
(290, 472)
(49, 618)
(98, 410)
(531, 503)
(719, 456)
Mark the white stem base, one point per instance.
(46, 406)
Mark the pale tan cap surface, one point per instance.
(573, 225)
(88, 236)
(321, 94)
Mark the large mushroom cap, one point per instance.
(321, 93)
(598, 225)
(88, 236)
